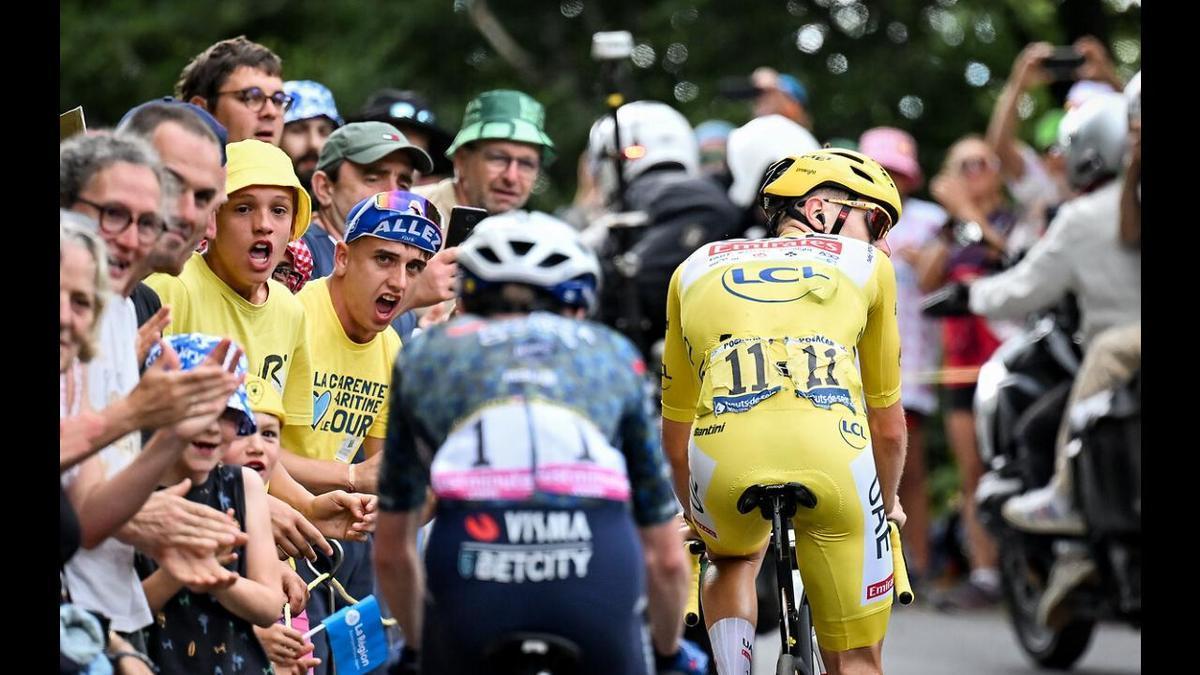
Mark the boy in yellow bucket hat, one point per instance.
(228, 290)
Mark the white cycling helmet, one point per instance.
(652, 133)
(530, 248)
(758, 144)
(1094, 137)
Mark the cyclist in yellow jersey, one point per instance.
(782, 363)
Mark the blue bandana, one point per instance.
(192, 349)
(396, 216)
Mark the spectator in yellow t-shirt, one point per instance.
(389, 238)
(228, 290)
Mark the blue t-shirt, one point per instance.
(321, 245)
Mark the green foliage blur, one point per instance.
(900, 62)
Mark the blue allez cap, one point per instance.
(396, 216)
(217, 128)
(310, 99)
(192, 349)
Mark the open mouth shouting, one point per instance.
(385, 307)
(260, 256)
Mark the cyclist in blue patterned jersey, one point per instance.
(532, 428)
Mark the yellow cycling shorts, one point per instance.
(842, 544)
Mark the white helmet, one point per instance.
(756, 145)
(651, 133)
(530, 248)
(1094, 137)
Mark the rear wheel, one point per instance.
(1023, 581)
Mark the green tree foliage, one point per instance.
(901, 62)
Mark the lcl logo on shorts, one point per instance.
(853, 433)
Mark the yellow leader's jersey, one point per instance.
(748, 320)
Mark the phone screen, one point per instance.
(462, 220)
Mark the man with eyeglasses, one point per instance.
(241, 83)
(116, 180)
(497, 154)
(763, 350)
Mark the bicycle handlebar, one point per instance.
(901, 585)
(691, 610)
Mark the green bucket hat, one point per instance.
(506, 115)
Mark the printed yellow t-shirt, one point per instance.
(273, 334)
(350, 383)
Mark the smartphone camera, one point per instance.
(614, 45)
(1062, 63)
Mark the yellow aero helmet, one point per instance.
(264, 399)
(795, 176)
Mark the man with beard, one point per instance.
(312, 117)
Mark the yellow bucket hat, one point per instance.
(253, 162)
(263, 397)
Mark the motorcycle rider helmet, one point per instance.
(531, 248)
(652, 134)
(791, 178)
(1094, 137)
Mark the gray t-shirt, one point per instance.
(102, 579)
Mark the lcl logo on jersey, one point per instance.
(777, 283)
(853, 433)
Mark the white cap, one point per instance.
(756, 145)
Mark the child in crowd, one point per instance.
(209, 630)
(284, 645)
(296, 267)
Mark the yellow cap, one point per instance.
(264, 399)
(253, 162)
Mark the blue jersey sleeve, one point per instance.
(404, 475)
(649, 474)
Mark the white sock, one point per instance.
(733, 645)
(986, 577)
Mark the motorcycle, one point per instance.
(1020, 399)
